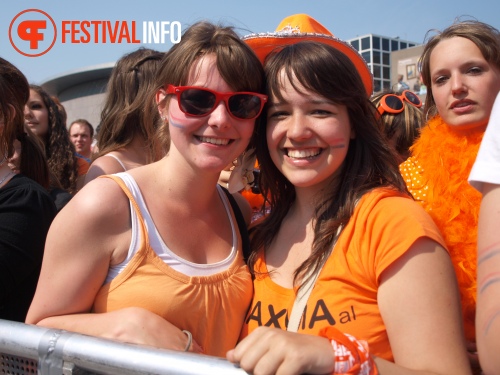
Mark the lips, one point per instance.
(461, 104)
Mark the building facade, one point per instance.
(376, 50)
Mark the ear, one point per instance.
(161, 102)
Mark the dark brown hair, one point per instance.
(59, 150)
(369, 162)
(14, 93)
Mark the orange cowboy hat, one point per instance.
(301, 27)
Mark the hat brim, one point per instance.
(264, 43)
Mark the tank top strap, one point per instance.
(128, 193)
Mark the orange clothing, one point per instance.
(211, 307)
(436, 174)
(382, 228)
(83, 166)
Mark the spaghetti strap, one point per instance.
(117, 159)
(127, 192)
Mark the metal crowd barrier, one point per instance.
(28, 349)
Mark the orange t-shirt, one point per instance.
(211, 307)
(383, 227)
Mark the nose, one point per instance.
(220, 116)
(458, 84)
(27, 112)
(298, 127)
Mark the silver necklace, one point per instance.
(5, 177)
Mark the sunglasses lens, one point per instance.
(197, 102)
(393, 102)
(244, 106)
(412, 98)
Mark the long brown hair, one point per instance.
(59, 150)
(129, 108)
(484, 36)
(369, 162)
(14, 93)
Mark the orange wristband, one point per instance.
(352, 356)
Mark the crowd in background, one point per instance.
(252, 198)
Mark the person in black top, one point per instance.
(26, 208)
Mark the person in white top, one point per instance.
(485, 177)
(128, 120)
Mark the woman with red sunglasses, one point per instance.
(461, 69)
(400, 119)
(154, 255)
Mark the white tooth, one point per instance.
(297, 154)
(215, 141)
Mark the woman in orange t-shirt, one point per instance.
(340, 210)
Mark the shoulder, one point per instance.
(23, 190)
(103, 165)
(99, 202)
(387, 208)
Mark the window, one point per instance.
(377, 73)
(403, 45)
(365, 43)
(376, 57)
(387, 72)
(387, 85)
(355, 44)
(411, 45)
(385, 44)
(366, 56)
(377, 85)
(376, 42)
(394, 45)
(386, 58)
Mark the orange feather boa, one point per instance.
(436, 175)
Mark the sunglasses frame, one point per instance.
(224, 96)
(384, 108)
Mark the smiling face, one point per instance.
(36, 115)
(307, 136)
(210, 142)
(464, 85)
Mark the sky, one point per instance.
(409, 20)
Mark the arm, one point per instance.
(419, 302)
(89, 234)
(488, 276)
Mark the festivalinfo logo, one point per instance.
(34, 32)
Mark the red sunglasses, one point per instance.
(199, 101)
(392, 103)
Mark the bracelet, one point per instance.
(190, 339)
(351, 355)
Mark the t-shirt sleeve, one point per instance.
(487, 165)
(392, 226)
